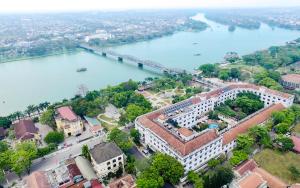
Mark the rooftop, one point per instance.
(294, 78)
(245, 167)
(256, 119)
(252, 180)
(185, 132)
(123, 182)
(85, 168)
(92, 121)
(37, 179)
(25, 129)
(67, 113)
(105, 151)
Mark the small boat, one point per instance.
(195, 43)
(81, 69)
(197, 54)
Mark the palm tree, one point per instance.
(30, 109)
(19, 114)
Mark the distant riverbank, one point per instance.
(41, 56)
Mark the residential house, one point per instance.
(123, 182)
(106, 158)
(25, 130)
(68, 122)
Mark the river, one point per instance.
(54, 78)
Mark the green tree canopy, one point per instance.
(244, 142)
(54, 137)
(120, 138)
(285, 143)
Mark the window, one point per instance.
(108, 163)
(114, 160)
(114, 165)
(119, 158)
(108, 168)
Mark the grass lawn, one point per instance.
(249, 68)
(277, 163)
(104, 117)
(108, 126)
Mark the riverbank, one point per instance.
(42, 56)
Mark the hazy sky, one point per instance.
(59, 5)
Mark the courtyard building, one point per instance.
(25, 130)
(171, 130)
(68, 122)
(291, 81)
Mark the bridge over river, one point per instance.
(131, 59)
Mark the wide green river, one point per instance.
(54, 78)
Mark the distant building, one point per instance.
(95, 125)
(25, 130)
(68, 122)
(106, 158)
(291, 81)
(123, 182)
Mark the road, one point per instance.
(53, 160)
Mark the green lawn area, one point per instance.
(108, 126)
(277, 163)
(104, 117)
(249, 68)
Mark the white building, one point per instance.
(168, 130)
(106, 158)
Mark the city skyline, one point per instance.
(81, 5)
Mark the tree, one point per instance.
(244, 142)
(120, 138)
(22, 157)
(295, 173)
(119, 172)
(235, 73)
(47, 118)
(212, 163)
(54, 137)
(238, 157)
(150, 178)
(135, 135)
(208, 69)
(5, 122)
(278, 117)
(224, 74)
(285, 143)
(86, 152)
(282, 128)
(270, 83)
(218, 177)
(133, 111)
(195, 179)
(3, 146)
(260, 135)
(168, 167)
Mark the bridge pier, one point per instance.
(103, 54)
(120, 59)
(140, 65)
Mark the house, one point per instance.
(106, 158)
(123, 182)
(95, 125)
(249, 175)
(37, 179)
(68, 122)
(25, 130)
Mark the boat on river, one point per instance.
(83, 69)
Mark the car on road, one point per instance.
(145, 151)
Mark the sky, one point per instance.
(75, 5)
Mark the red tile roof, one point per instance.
(73, 170)
(296, 141)
(185, 132)
(252, 180)
(293, 78)
(257, 119)
(123, 182)
(37, 179)
(25, 129)
(184, 148)
(246, 166)
(273, 181)
(67, 113)
(96, 184)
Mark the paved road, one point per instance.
(136, 153)
(55, 158)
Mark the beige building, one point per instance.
(106, 158)
(68, 122)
